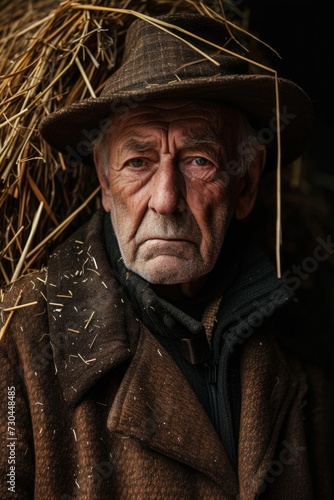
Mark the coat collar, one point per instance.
(87, 337)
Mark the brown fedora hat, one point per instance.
(157, 64)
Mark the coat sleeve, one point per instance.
(17, 468)
(16, 454)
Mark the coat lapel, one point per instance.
(156, 405)
(91, 322)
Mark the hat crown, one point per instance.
(154, 57)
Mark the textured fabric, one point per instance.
(102, 411)
(158, 64)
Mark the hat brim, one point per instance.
(71, 129)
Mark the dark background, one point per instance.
(300, 32)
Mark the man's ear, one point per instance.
(249, 188)
(104, 181)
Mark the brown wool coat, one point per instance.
(103, 412)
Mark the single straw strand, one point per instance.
(27, 245)
(278, 186)
(5, 326)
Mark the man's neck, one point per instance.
(179, 291)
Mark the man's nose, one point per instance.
(167, 188)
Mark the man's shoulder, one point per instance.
(93, 228)
(23, 316)
(25, 302)
(26, 292)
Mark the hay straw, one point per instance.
(278, 186)
(54, 53)
(28, 243)
(8, 320)
(21, 306)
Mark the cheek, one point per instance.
(127, 202)
(212, 208)
(127, 191)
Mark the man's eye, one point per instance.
(200, 161)
(136, 162)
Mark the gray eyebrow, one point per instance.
(194, 142)
(138, 144)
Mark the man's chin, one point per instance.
(170, 270)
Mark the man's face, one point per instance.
(170, 206)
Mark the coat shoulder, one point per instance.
(23, 311)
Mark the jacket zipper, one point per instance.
(222, 419)
(213, 393)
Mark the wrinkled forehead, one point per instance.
(176, 109)
(190, 118)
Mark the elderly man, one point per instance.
(154, 363)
